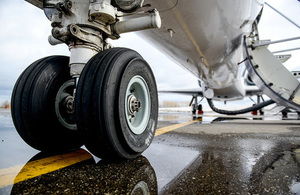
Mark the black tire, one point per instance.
(33, 106)
(100, 104)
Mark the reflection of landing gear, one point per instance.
(135, 176)
(292, 116)
(116, 104)
(42, 105)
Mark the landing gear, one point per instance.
(105, 96)
(196, 106)
(41, 106)
(200, 110)
(117, 104)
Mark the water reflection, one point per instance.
(210, 173)
(211, 117)
(227, 119)
(240, 166)
(175, 117)
(86, 177)
(281, 176)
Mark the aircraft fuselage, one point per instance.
(206, 38)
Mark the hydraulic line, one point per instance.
(242, 111)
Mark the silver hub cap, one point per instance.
(134, 105)
(137, 104)
(64, 105)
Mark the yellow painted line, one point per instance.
(43, 166)
(173, 127)
(40, 167)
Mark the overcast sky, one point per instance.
(25, 29)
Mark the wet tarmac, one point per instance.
(212, 155)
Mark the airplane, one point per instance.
(106, 98)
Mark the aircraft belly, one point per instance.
(204, 36)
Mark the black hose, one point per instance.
(242, 111)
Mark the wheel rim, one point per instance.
(137, 104)
(64, 105)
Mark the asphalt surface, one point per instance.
(213, 155)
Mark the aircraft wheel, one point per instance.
(117, 104)
(41, 108)
(194, 109)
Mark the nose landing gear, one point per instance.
(116, 105)
(102, 97)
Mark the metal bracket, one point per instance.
(103, 11)
(87, 36)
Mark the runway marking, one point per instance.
(173, 127)
(43, 166)
(40, 167)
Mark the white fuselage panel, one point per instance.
(205, 36)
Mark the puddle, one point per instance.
(295, 187)
(167, 162)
